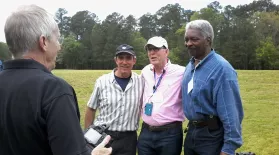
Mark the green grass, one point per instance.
(260, 96)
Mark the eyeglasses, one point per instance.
(155, 49)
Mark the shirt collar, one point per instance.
(24, 64)
(112, 78)
(204, 59)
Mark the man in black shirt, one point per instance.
(39, 113)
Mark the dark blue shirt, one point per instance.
(39, 112)
(215, 92)
(122, 82)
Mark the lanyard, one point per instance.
(159, 81)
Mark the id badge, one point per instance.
(148, 109)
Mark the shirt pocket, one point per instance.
(104, 100)
(196, 91)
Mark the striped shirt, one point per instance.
(117, 108)
(215, 92)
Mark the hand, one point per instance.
(223, 153)
(101, 149)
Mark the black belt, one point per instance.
(163, 127)
(210, 121)
(119, 134)
(199, 123)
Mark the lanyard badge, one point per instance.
(148, 109)
(149, 106)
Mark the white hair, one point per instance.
(24, 27)
(203, 26)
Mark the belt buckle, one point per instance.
(152, 128)
(195, 123)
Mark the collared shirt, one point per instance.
(117, 108)
(39, 114)
(167, 99)
(215, 92)
(1, 66)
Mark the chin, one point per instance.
(193, 53)
(154, 62)
(52, 67)
(125, 71)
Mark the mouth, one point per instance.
(153, 58)
(124, 67)
(191, 50)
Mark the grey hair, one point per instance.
(203, 26)
(24, 27)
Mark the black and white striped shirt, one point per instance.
(117, 108)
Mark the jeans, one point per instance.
(203, 141)
(167, 142)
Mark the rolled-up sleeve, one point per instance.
(93, 101)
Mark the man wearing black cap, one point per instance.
(117, 95)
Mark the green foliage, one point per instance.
(138, 43)
(259, 96)
(72, 53)
(4, 52)
(238, 32)
(268, 54)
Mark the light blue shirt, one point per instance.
(215, 92)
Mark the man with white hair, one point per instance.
(162, 111)
(39, 112)
(211, 97)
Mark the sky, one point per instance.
(102, 8)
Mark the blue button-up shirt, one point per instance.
(1, 66)
(215, 92)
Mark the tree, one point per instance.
(82, 23)
(169, 19)
(147, 24)
(268, 54)
(138, 43)
(63, 21)
(73, 53)
(4, 52)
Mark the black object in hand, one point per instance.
(94, 135)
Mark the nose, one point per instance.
(188, 43)
(125, 60)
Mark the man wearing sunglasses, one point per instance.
(117, 95)
(162, 113)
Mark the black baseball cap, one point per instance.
(124, 48)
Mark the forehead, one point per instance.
(193, 33)
(124, 54)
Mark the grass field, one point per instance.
(260, 96)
